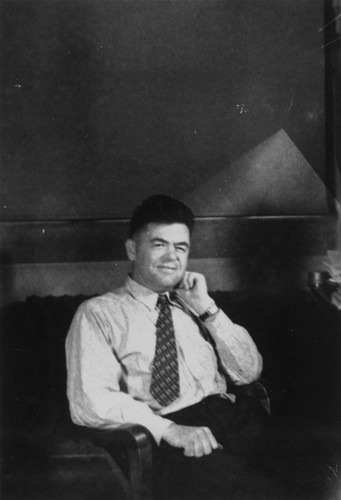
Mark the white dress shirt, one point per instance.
(110, 349)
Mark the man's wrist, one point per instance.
(211, 310)
(201, 306)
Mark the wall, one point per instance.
(107, 102)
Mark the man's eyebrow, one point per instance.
(182, 244)
(178, 243)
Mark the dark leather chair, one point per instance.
(36, 415)
(130, 447)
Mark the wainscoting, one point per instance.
(88, 256)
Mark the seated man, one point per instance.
(157, 352)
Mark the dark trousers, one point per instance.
(229, 474)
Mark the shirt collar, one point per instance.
(148, 297)
(142, 294)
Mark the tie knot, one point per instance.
(162, 301)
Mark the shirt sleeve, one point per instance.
(93, 379)
(238, 353)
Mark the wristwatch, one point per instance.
(211, 311)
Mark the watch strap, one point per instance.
(211, 311)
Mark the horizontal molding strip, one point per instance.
(213, 237)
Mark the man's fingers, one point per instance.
(191, 280)
(212, 440)
(183, 285)
(187, 281)
(189, 450)
(195, 441)
(196, 450)
(207, 448)
(203, 443)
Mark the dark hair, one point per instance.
(161, 209)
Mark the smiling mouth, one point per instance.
(167, 268)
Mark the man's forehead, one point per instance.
(173, 231)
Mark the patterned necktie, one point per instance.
(165, 375)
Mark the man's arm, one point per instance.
(238, 353)
(95, 398)
(93, 378)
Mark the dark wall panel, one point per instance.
(242, 237)
(105, 102)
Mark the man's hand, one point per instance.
(193, 290)
(196, 441)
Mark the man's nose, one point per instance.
(171, 253)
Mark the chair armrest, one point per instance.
(130, 446)
(255, 390)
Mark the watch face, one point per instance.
(212, 310)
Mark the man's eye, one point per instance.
(181, 249)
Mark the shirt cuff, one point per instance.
(156, 425)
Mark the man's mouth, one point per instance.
(167, 269)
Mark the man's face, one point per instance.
(159, 254)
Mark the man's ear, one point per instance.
(131, 249)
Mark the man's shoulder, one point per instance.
(111, 299)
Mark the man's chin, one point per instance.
(169, 282)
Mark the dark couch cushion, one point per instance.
(287, 330)
(33, 365)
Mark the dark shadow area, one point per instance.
(298, 336)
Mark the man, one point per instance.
(116, 374)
